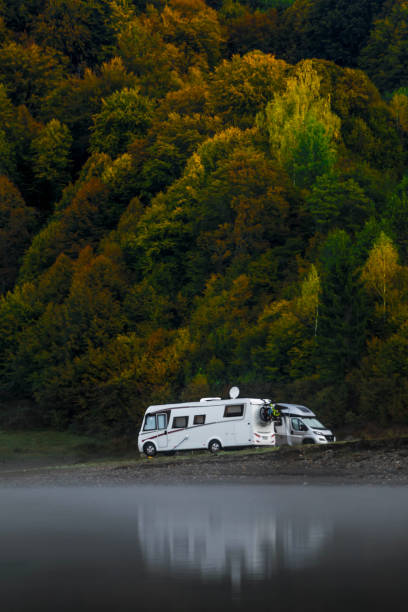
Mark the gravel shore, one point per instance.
(354, 462)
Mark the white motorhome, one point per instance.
(212, 423)
(298, 425)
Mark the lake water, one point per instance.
(196, 548)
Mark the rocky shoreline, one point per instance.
(354, 462)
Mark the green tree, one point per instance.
(301, 127)
(334, 202)
(383, 379)
(396, 211)
(87, 216)
(78, 98)
(192, 26)
(144, 53)
(330, 29)
(241, 87)
(30, 73)
(368, 127)
(20, 15)
(399, 106)
(4, 33)
(7, 156)
(307, 305)
(77, 28)
(190, 98)
(54, 284)
(124, 115)
(248, 31)
(8, 159)
(18, 310)
(385, 56)
(51, 158)
(231, 206)
(217, 328)
(342, 311)
(161, 45)
(314, 153)
(292, 326)
(171, 143)
(17, 224)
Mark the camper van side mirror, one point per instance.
(304, 427)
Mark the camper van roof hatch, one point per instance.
(294, 409)
(304, 409)
(209, 399)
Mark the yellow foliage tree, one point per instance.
(399, 106)
(307, 305)
(381, 269)
(299, 114)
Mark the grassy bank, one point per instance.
(364, 461)
(47, 446)
(31, 448)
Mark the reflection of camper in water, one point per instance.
(218, 538)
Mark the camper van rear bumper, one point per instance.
(262, 439)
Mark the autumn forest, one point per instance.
(195, 195)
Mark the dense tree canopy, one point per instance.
(194, 194)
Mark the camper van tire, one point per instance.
(308, 441)
(149, 449)
(214, 446)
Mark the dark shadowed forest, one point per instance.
(195, 195)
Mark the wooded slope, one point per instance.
(197, 195)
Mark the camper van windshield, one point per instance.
(313, 423)
(150, 423)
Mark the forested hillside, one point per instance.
(198, 195)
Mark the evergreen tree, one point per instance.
(338, 203)
(342, 310)
(396, 212)
(330, 29)
(385, 56)
(17, 222)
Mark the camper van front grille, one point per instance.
(330, 438)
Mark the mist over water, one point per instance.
(214, 547)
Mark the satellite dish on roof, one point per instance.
(234, 392)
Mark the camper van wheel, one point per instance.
(308, 441)
(214, 446)
(149, 449)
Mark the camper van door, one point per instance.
(162, 439)
(288, 431)
(281, 431)
(297, 430)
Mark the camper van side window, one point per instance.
(161, 421)
(298, 425)
(236, 410)
(150, 423)
(199, 419)
(180, 421)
